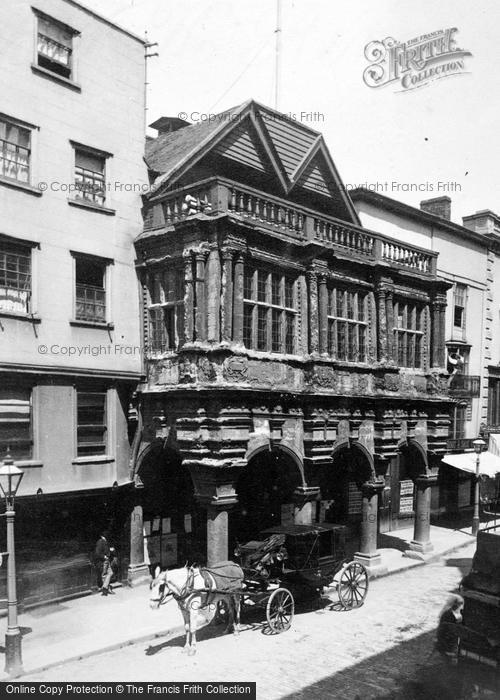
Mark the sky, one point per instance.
(411, 144)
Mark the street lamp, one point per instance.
(478, 446)
(10, 478)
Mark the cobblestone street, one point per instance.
(373, 652)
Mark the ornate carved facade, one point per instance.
(295, 361)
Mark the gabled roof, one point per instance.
(258, 137)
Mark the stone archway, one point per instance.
(267, 490)
(173, 523)
(351, 483)
(416, 463)
(341, 482)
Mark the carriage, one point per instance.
(296, 562)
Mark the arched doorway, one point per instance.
(265, 491)
(340, 484)
(411, 463)
(174, 524)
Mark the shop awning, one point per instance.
(489, 461)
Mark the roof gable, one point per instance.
(259, 138)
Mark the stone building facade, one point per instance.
(295, 360)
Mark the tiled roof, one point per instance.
(168, 150)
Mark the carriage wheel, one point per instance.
(279, 610)
(353, 585)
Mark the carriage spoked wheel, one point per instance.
(353, 586)
(279, 610)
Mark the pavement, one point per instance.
(76, 629)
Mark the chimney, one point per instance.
(167, 125)
(484, 221)
(439, 206)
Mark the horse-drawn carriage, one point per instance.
(288, 562)
(298, 561)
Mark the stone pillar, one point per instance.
(421, 543)
(382, 324)
(238, 299)
(217, 534)
(368, 555)
(435, 322)
(213, 294)
(438, 332)
(389, 315)
(442, 334)
(188, 297)
(138, 570)
(312, 289)
(227, 294)
(323, 314)
(200, 316)
(304, 501)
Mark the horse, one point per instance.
(196, 590)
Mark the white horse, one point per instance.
(198, 592)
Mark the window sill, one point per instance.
(18, 185)
(55, 77)
(31, 318)
(92, 324)
(97, 459)
(26, 463)
(93, 207)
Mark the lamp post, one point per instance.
(478, 446)
(10, 478)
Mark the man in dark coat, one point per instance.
(101, 553)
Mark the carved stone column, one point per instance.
(304, 500)
(312, 288)
(421, 543)
(200, 316)
(138, 570)
(368, 555)
(188, 297)
(323, 314)
(389, 314)
(238, 299)
(438, 331)
(382, 324)
(213, 294)
(227, 294)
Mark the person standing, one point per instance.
(101, 553)
(448, 633)
(109, 571)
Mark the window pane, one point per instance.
(248, 283)
(261, 285)
(15, 422)
(247, 325)
(261, 328)
(290, 334)
(14, 151)
(89, 177)
(276, 289)
(91, 429)
(90, 290)
(276, 330)
(340, 303)
(289, 303)
(341, 340)
(15, 278)
(361, 307)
